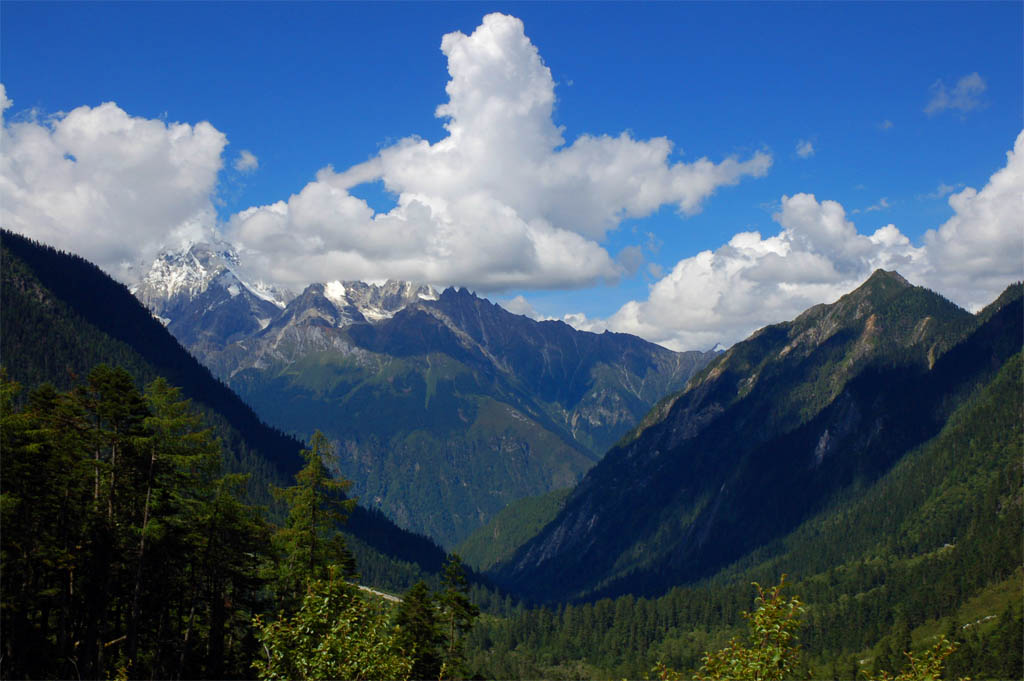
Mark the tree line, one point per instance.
(128, 552)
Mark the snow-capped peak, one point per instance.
(375, 301)
(182, 274)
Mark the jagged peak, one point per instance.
(188, 270)
(203, 253)
(881, 282)
(881, 285)
(375, 301)
(316, 288)
(453, 293)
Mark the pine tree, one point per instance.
(458, 613)
(120, 541)
(419, 631)
(310, 541)
(901, 642)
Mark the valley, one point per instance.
(606, 341)
(868, 449)
(444, 407)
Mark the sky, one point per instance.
(686, 172)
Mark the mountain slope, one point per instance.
(199, 293)
(60, 316)
(516, 524)
(51, 296)
(445, 407)
(932, 546)
(764, 437)
(453, 408)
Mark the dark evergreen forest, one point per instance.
(128, 551)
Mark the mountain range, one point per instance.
(869, 448)
(764, 437)
(444, 406)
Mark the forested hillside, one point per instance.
(61, 316)
(765, 437)
(515, 525)
(932, 547)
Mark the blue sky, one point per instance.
(896, 107)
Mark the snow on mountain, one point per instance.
(179, 276)
(377, 302)
(203, 295)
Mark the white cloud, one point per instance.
(963, 97)
(818, 255)
(519, 305)
(501, 202)
(247, 162)
(804, 149)
(724, 295)
(979, 250)
(106, 185)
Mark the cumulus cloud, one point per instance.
(979, 250)
(247, 162)
(818, 255)
(964, 97)
(500, 202)
(721, 296)
(106, 185)
(804, 149)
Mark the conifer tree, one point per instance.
(120, 541)
(458, 613)
(310, 540)
(419, 631)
